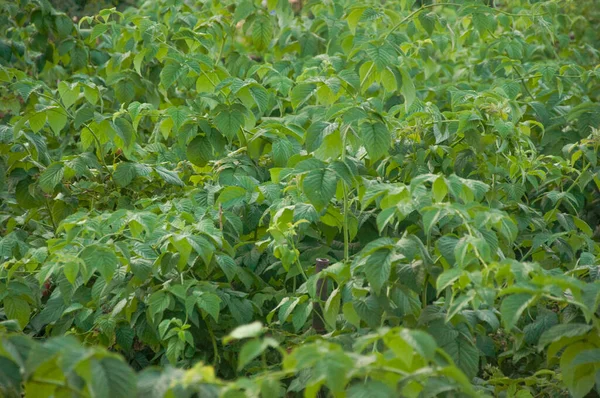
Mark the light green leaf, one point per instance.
(388, 80)
(439, 189)
(97, 31)
(71, 270)
(51, 177)
(37, 121)
(446, 278)
(350, 314)
(253, 329)
(408, 89)
(353, 18)
(332, 309)
(57, 119)
(68, 93)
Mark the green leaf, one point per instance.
(210, 303)
(227, 264)
(111, 378)
(97, 31)
(558, 332)
(79, 57)
(125, 132)
(388, 80)
(232, 196)
(458, 343)
(513, 306)
(261, 97)
(427, 22)
(199, 151)
(64, 25)
(282, 152)
(382, 55)
(408, 89)
(101, 259)
(431, 217)
(157, 303)
(376, 138)
(302, 93)
(18, 309)
(587, 357)
(332, 309)
(484, 22)
(371, 389)
(369, 311)
(407, 302)
(169, 176)
(229, 121)
(262, 32)
(170, 74)
(319, 186)
(124, 173)
(377, 268)
(249, 351)
(124, 91)
(179, 115)
(243, 9)
(301, 314)
(544, 321)
(83, 115)
(51, 177)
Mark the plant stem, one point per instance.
(345, 230)
(51, 216)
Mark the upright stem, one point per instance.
(51, 216)
(345, 230)
(318, 320)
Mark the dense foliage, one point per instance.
(169, 174)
